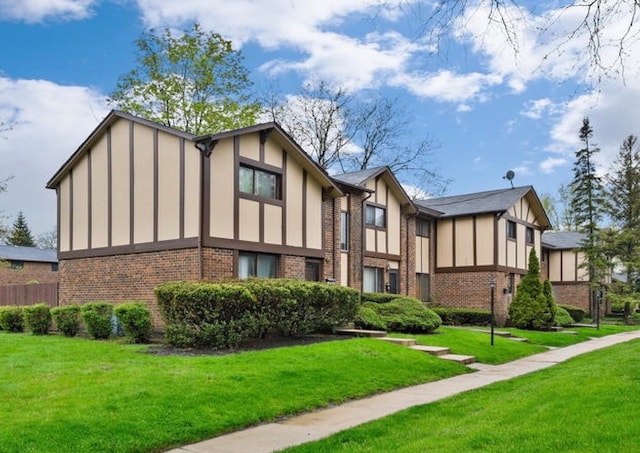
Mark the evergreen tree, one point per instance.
(623, 207)
(587, 204)
(20, 233)
(532, 308)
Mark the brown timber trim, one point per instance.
(576, 265)
(453, 245)
(474, 231)
(182, 188)
(255, 164)
(236, 189)
(386, 236)
(488, 268)
(304, 208)
(109, 189)
(205, 195)
(132, 181)
(576, 283)
(155, 185)
(384, 256)
(89, 198)
(59, 211)
(256, 247)
(173, 244)
(284, 196)
(71, 209)
(496, 235)
(261, 221)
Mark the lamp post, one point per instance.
(492, 285)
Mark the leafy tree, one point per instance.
(20, 233)
(48, 240)
(549, 205)
(344, 132)
(195, 82)
(3, 228)
(623, 207)
(532, 307)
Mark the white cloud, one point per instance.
(33, 11)
(50, 122)
(447, 86)
(535, 109)
(550, 163)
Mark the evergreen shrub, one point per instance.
(37, 318)
(563, 318)
(11, 319)
(576, 313)
(67, 319)
(463, 316)
(97, 319)
(402, 314)
(136, 321)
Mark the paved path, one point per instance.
(322, 423)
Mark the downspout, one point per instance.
(362, 240)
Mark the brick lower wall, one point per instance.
(31, 272)
(576, 294)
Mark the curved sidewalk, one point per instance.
(325, 422)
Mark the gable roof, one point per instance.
(274, 130)
(31, 254)
(358, 179)
(562, 240)
(112, 117)
(491, 201)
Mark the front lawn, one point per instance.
(77, 395)
(588, 404)
(566, 338)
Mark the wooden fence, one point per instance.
(29, 294)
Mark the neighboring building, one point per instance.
(563, 264)
(483, 237)
(22, 265)
(140, 204)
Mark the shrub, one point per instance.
(563, 318)
(402, 314)
(225, 314)
(97, 319)
(37, 318)
(379, 298)
(463, 316)
(136, 321)
(11, 319)
(576, 313)
(67, 319)
(532, 306)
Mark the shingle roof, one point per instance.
(32, 254)
(562, 240)
(358, 178)
(476, 203)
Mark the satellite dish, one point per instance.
(510, 175)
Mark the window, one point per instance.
(530, 236)
(375, 216)
(257, 265)
(312, 270)
(373, 280)
(511, 283)
(17, 264)
(344, 231)
(260, 183)
(54, 267)
(423, 287)
(511, 229)
(422, 228)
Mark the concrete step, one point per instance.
(361, 333)
(462, 359)
(399, 341)
(433, 350)
(497, 333)
(520, 339)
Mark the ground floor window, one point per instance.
(257, 265)
(312, 270)
(373, 280)
(423, 287)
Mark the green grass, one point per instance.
(77, 395)
(478, 344)
(561, 339)
(588, 404)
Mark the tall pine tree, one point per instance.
(623, 207)
(587, 204)
(20, 233)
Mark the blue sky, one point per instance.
(488, 109)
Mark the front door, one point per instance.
(393, 281)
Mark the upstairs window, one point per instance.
(259, 183)
(530, 236)
(376, 216)
(511, 229)
(422, 228)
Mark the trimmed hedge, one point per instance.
(576, 313)
(223, 315)
(67, 319)
(378, 298)
(37, 318)
(97, 319)
(463, 316)
(563, 318)
(402, 314)
(11, 319)
(136, 321)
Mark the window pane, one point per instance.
(344, 231)
(370, 215)
(380, 220)
(246, 180)
(246, 266)
(266, 266)
(266, 184)
(369, 280)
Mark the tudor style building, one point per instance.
(140, 204)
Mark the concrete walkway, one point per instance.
(322, 423)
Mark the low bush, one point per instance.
(402, 314)
(136, 321)
(11, 319)
(576, 313)
(223, 315)
(97, 319)
(379, 298)
(562, 318)
(463, 316)
(67, 319)
(37, 318)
